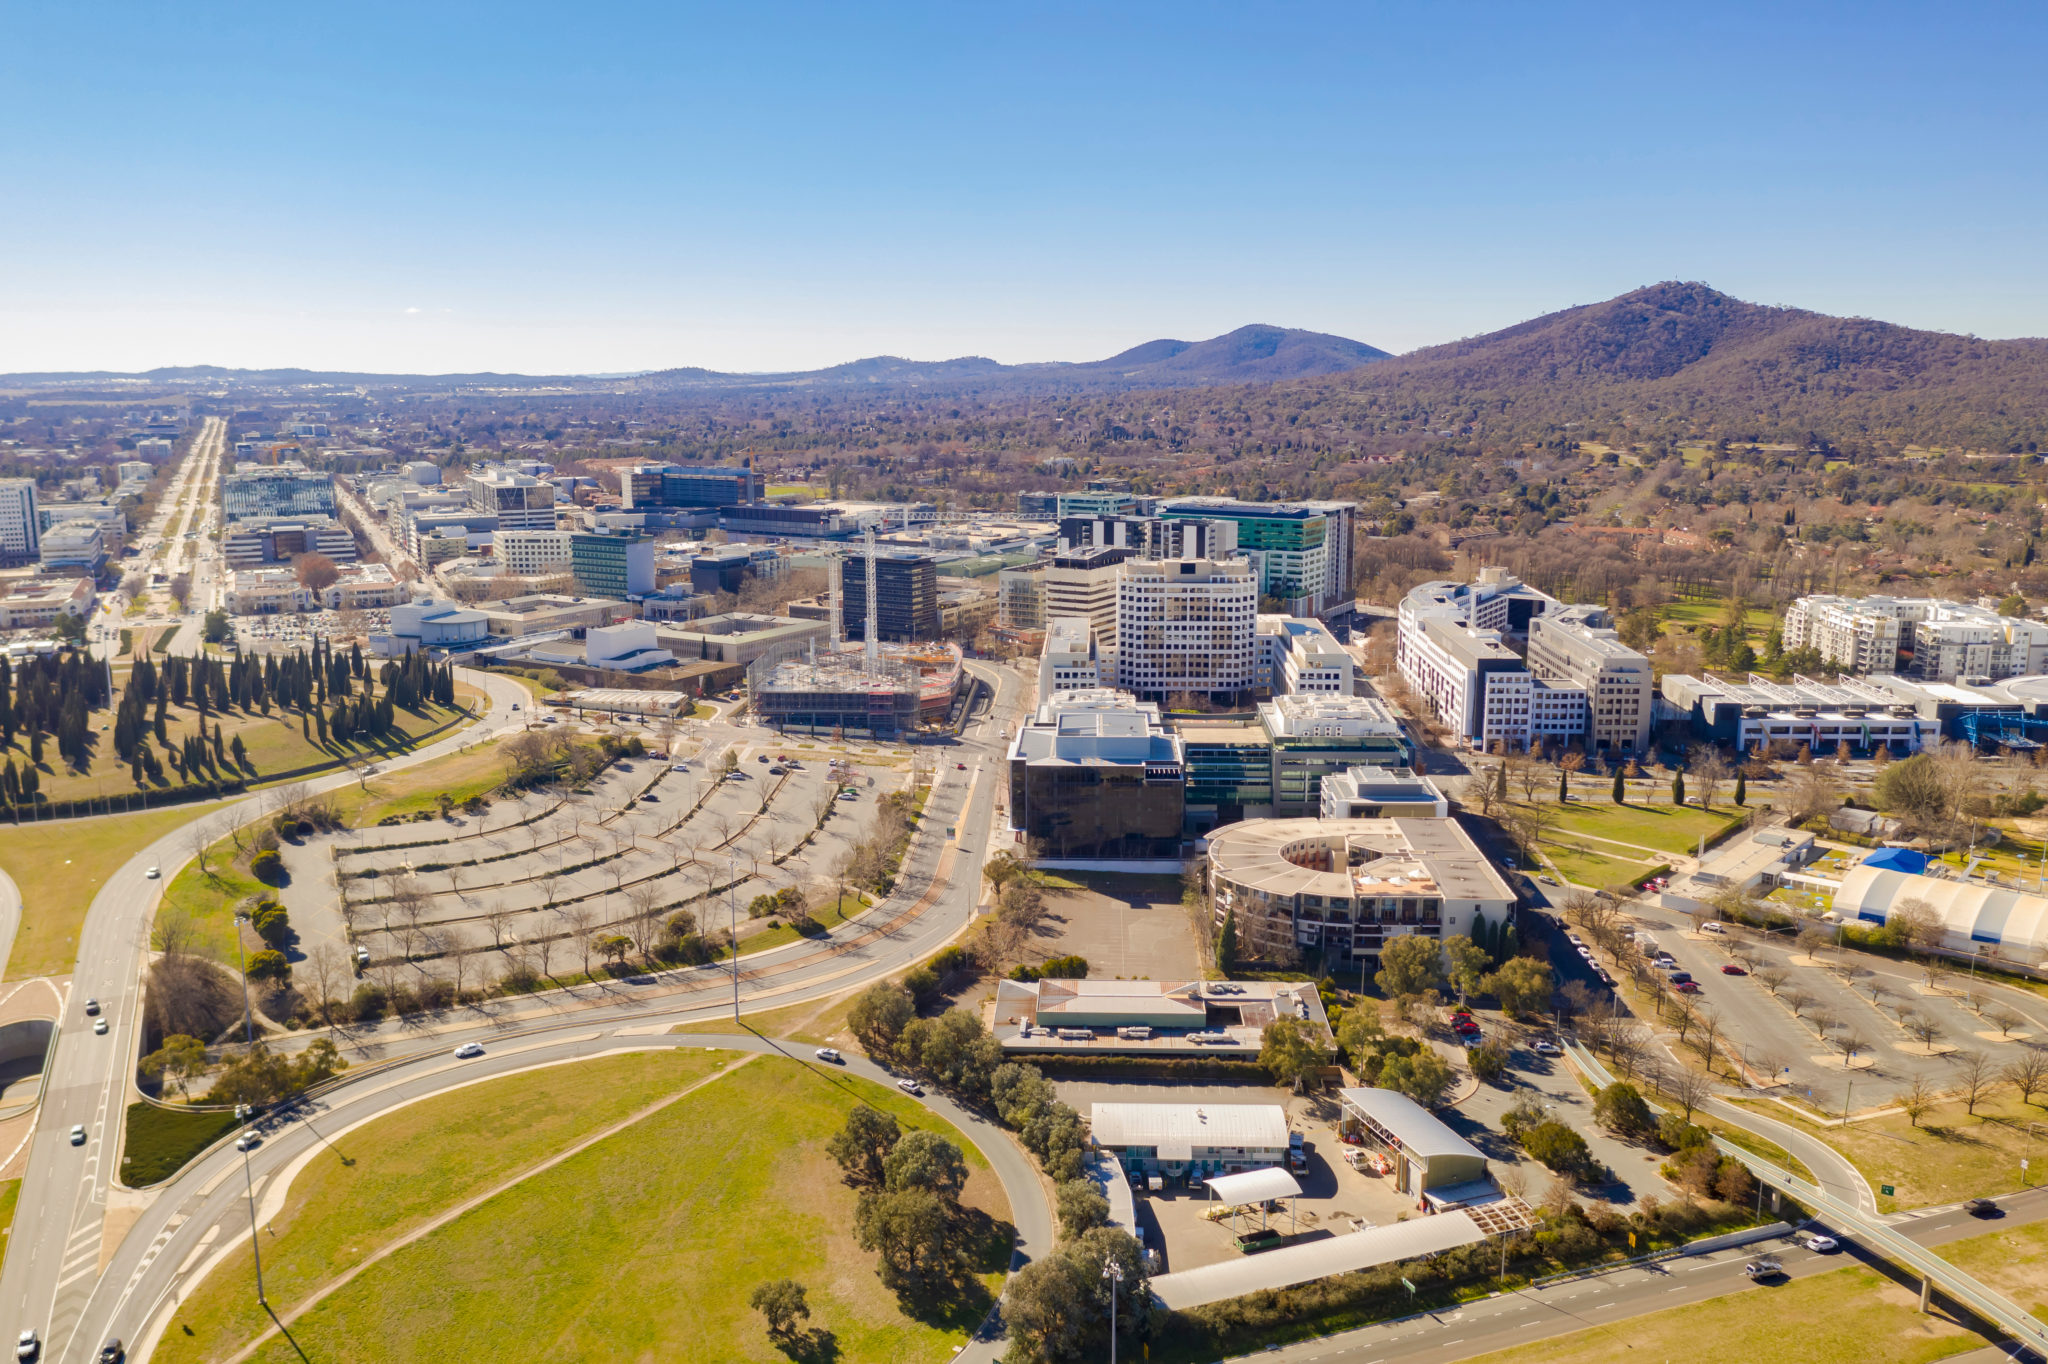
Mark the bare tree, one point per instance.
(1977, 1079)
(1917, 1098)
(550, 882)
(324, 971)
(455, 946)
(1689, 1090)
(1822, 1020)
(2003, 1017)
(2027, 1073)
(643, 921)
(199, 840)
(1812, 941)
(1772, 978)
(1767, 1062)
(1922, 1026)
(498, 920)
(1708, 772)
(544, 942)
(1795, 1000)
(1917, 922)
(580, 919)
(1849, 1042)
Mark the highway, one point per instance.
(52, 1278)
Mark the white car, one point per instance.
(829, 1054)
(469, 1051)
(248, 1141)
(910, 1086)
(28, 1347)
(99, 1027)
(153, 873)
(1819, 1244)
(78, 1135)
(1545, 1047)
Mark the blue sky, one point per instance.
(604, 187)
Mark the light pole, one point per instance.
(732, 910)
(1113, 1272)
(242, 1113)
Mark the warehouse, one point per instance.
(1429, 1158)
(1974, 917)
(1178, 1139)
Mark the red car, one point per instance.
(1687, 987)
(1731, 969)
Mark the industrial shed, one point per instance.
(1427, 1154)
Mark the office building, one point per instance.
(678, 485)
(738, 637)
(519, 501)
(275, 490)
(1095, 502)
(422, 625)
(906, 597)
(137, 470)
(33, 603)
(727, 568)
(1081, 584)
(1381, 793)
(1095, 775)
(71, 547)
(1186, 627)
(363, 587)
(540, 613)
(1303, 549)
(1851, 712)
(1206, 1138)
(617, 566)
(1152, 537)
(1574, 647)
(531, 553)
(1299, 656)
(1925, 638)
(20, 525)
(1316, 736)
(1020, 597)
(278, 539)
(1148, 1018)
(1350, 886)
(111, 520)
(1069, 661)
(266, 592)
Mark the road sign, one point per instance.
(1409, 1286)
(1885, 1189)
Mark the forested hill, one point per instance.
(1685, 359)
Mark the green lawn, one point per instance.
(2014, 1262)
(59, 866)
(1582, 866)
(477, 772)
(160, 1141)
(1950, 1156)
(10, 1195)
(1850, 1316)
(1667, 828)
(645, 1246)
(208, 899)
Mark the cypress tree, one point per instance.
(1741, 787)
(1564, 786)
(1620, 788)
(1678, 788)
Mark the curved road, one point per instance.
(51, 1277)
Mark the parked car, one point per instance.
(830, 1054)
(1545, 1047)
(776, 771)
(960, 766)
(763, 758)
(1680, 977)
(680, 767)
(1687, 987)
(1731, 969)
(469, 1051)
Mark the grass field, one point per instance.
(2014, 1262)
(208, 899)
(59, 867)
(160, 1141)
(814, 1021)
(10, 1195)
(1849, 1316)
(1949, 1157)
(273, 743)
(1667, 828)
(645, 1246)
(476, 772)
(1582, 866)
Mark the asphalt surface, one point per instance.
(50, 1279)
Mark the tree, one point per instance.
(1977, 1079)
(1557, 1147)
(1621, 1107)
(1424, 1077)
(1409, 965)
(1522, 985)
(178, 1062)
(268, 964)
(1678, 788)
(1469, 963)
(879, 1015)
(1916, 1099)
(2027, 1073)
(863, 1145)
(315, 572)
(1689, 1090)
(1620, 788)
(1916, 924)
(1057, 1308)
(1741, 788)
(781, 1301)
(914, 1231)
(1709, 771)
(1226, 940)
(1081, 1208)
(1289, 1054)
(927, 1161)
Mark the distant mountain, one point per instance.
(1255, 354)
(1686, 356)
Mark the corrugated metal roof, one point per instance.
(1189, 1125)
(1317, 1260)
(1419, 1130)
(1255, 1186)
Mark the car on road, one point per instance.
(99, 1027)
(1819, 1244)
(680, 767)
(153, 873)
(1763, 1267)
(92, 1006)
(248, 1141)
(78, 1135)
(962, 767)
(29, 1347)
(1731, 969)
(830, 1054)
(469, 1051)
(111, 1352)
(1546, 880)
(1545, 1047)
(910, 1086)
(1981, 1207)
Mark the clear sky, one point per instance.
(596, 187)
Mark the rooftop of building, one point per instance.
(1352, 857)
(1093, 726)
(1069, 634)
(1305, 712)
(1231, 508)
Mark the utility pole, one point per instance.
(1113, 1272)
(732, 911)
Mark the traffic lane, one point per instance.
(289, 1135)
(1837, 1176)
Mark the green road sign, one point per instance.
(1409, 1286)
(1885, 1189)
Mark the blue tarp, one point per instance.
(1897, 859)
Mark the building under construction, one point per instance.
(879, 689)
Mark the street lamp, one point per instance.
(732, 911)
(1113, 1272)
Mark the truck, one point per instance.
(1138, 1033)
(1076, 1034)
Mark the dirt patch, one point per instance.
(1128, 927)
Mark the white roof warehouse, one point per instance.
(1168, 1138)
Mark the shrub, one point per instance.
(269, 964)
(267, 867)
(1557, 1147)
(1678, 1134)
(367, 1003)
(1620, 1107)
(1489, 1062)
(1053, 968)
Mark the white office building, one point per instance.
(20, 527)
(1069, 662)
(1574, 649)
(520, 501)
(1298, 656)
(1187, 626)
(1946, 640)
(532, 553)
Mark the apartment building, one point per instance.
(531, 553)
(20, 526)
(520, 501)
(289, 489)
(1187, 626)
(1303, 550)
(1083, 583)
(1069, 661)
(1925, 638)
(1020, 597)
(1575, 647)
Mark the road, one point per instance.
(1600, 1301)
(50, 1279)
(54, 1250)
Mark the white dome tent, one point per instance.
(1973, 916)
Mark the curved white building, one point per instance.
(1975, 916)
(1350, 885)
